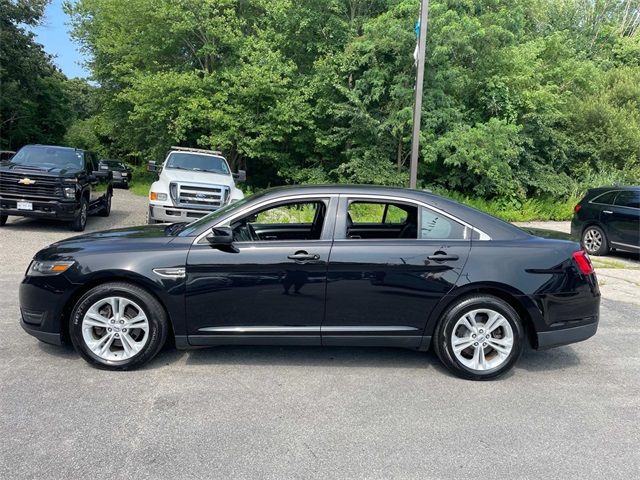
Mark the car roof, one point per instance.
(497, 229)
(59, 147)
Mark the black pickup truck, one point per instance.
(61, 183)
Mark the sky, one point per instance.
(54, 35)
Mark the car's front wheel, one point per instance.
(118, 326)
(479, 338)
(80, 221)
(595, 241)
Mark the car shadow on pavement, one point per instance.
(545, 360)
(378, 357)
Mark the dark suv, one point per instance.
(61, 183)
(608, 218)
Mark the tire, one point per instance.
(80, 222)
(106, 209)
(3, 220)
(507, 335)
(595, 241)
(150, 220)
(92, 317)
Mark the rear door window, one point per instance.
(434, 226)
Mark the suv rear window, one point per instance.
(605, 198)
(628, 198)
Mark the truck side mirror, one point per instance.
(152, 166)
(241, 176)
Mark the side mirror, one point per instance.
(241, 176)
(220, 237)
(152, 166)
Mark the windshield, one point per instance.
(113, 163)
(198, 163)
(48, 157)
(195, 225)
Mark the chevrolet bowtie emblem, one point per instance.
(26, 181)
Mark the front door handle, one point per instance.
(607, 211)
(304, 257)
(442, 257)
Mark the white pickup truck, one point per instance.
(192, 182)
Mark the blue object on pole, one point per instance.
(417, 29)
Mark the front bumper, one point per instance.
(42, 302)
(55, 209)
(164, 214)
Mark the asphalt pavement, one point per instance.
(291, 412)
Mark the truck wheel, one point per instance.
(150, 220)
(3, 220)
(80, 221)
(106, 209)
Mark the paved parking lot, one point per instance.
(276, 412)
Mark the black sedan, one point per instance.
(121, 172)
(608, 218)
(327, 265)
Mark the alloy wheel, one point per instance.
(482, 339)
(115, 328)
(592, 240)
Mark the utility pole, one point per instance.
(417, 105)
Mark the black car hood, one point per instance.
(142, 238)
(38, 169)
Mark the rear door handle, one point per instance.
(304, 257)
(443, 257)
(607, 211)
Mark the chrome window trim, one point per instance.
(266, 203)
(483, 235)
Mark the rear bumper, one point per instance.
(54, 209)
(565, 336)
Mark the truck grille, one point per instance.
(44, 186)
(206, 197)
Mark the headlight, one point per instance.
(157, 196)
(70, 192)
(38, 268)
(124, 174)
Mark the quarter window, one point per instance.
(605, 198)
(434, 226)
(628, 198)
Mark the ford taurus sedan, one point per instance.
(328, 265)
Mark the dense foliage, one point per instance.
(523, 98)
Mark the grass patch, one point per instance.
(139, 187)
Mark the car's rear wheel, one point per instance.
(595, 241)
(3, 220)
(118, 326)
(479, 338)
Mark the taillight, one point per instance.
(584, 263)
(577, 208)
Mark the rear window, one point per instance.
(605, 198)
(628, 198)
